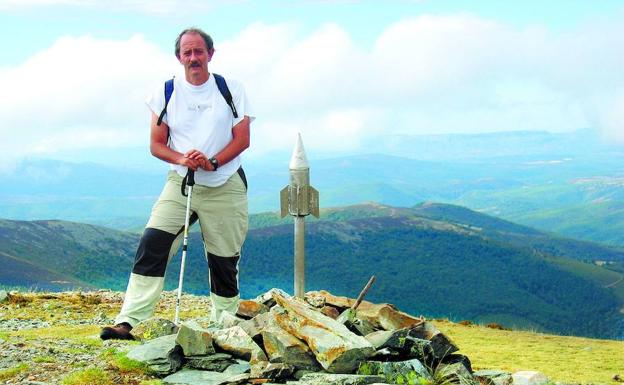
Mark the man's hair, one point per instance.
(204, 35)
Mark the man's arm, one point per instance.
(238, 144)
(158, 146)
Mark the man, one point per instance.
(198, 132)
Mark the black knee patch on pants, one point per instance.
(153, 253)
(223, 275)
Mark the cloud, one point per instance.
(172, 8)
(430, 74)
(79, 89)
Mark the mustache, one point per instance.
(195, 64)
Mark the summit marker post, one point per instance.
(299, 199)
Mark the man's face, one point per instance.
(194, 56)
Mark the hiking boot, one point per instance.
(121, 331)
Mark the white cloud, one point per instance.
(430, 74)
(79, 89)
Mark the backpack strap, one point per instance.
(168, 93)
(225, 92)
(221, 84)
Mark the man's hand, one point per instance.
(200, 158)
(189, 162)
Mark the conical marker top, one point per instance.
(299, 198)
(299, 160)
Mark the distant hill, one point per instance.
(81, 254)
(438, 260)
(464, 220)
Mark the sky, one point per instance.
(345, 74)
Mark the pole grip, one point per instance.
(188, 180)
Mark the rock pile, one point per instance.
(276, 338)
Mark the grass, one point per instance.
(93, 376)
(84, 333)
(560, 358)
(44, 359)
(123, 364)
(12, 372)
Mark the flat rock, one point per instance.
(393, 339)
(440, 343)
(239, 367)
(399, 342)
(381, 316)
(153, 328)
(316, 299)
(398, 372)
(161, 354)
(456, 373)
(528, 377)
(235, 341)
(283, 347)
(248, 309)
(194, 340)
(330, 311)
(336, 379)
(267, 298)
(229, 320)
(203, 377)
(254, 326)
(493, 377)
(217, 362)
(458, 358)
(336, 348)
(276, 371)
(359, 326)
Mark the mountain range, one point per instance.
(433, 259)
(565, 183)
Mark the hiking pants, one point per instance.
(222, 214)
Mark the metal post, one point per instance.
(299, 199)
(299, 256)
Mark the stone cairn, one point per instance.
(277, 338)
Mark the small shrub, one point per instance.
(466, 322)
(49, 296)
(82, 299)
(93, 299)
(92, 376)
(496, 326)
(19, 299)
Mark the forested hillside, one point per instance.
(436, 260)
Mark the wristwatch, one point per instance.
(214, 162)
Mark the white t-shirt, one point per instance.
(199, 118)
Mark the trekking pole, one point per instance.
(189, 181)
